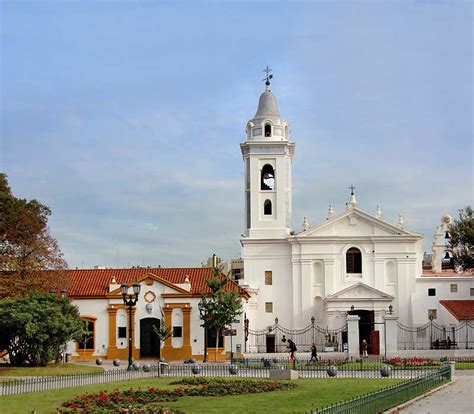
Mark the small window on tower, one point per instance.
(268, 178)
(268, 277)
(267, 208)
(268, 130)
(269, 307)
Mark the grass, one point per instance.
(309, 393)
(48, 370)
(464, 364)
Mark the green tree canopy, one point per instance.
(35, 328)
(26, 247)
(219, 308)
(461, 242)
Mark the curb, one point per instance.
(406, 404)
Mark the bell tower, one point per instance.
(267, 153)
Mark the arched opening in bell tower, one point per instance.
(267, 208)
(268, 130)
(268, 178)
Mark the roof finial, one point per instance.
(401, 222)
(330, 212)
(305, 223)
(269, 76)
(352, 202)
(378, 213)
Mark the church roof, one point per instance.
(267, 105)
(459, 308)
(95, 282)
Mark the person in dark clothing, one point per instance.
(292, 348)
(314, 353)
(448, 343)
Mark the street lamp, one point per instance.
(130, 300)
(466, 318)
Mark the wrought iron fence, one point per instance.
(324, 339)
(435, 336)
(389, 397)
(240, 369)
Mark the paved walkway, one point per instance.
(456, 398)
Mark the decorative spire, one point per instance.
(305, 223)
(330, 212)
(401, 222)
(352, 202)
(269, 76)
(378, 213)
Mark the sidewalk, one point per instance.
(457, 398)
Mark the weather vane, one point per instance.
(267, 70)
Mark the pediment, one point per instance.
(148, 280)
(355, 223)
(358, 292)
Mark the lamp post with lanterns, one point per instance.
(130, 300)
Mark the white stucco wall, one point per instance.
(421, 302)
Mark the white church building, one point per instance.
(353, 262)
(354, 276)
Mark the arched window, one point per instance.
(268, 130)
(87, 340)
(267, 208)
(353, 260)
(268, 178)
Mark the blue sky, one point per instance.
(126, 117)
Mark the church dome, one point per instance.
(267, 105)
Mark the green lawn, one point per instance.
(48, 370)
(464, 365)
(309, 393)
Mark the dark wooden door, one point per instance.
(149, 341)
(375, 342)
(270, 343)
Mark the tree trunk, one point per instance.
(218, 330)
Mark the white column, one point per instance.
(391, 335)
(353, 335)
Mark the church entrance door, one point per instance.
(270, 343)
(366, 326)
(149, 341)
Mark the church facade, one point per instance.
(354, 268)
(352, 263)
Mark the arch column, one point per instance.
(185, 351)
(112, 351)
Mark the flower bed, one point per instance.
(413, 362)
(132, 401)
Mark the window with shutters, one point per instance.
(353, 261)
(268, 277)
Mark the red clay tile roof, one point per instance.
(446, 273)
(459, 308)
(95, 282)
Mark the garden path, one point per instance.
(456, 398)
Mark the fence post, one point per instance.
(452, 366)
(353, 335)
(391, 335)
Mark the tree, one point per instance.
(26, 247)
(218, 308)
(35, 328)
(461, 241)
